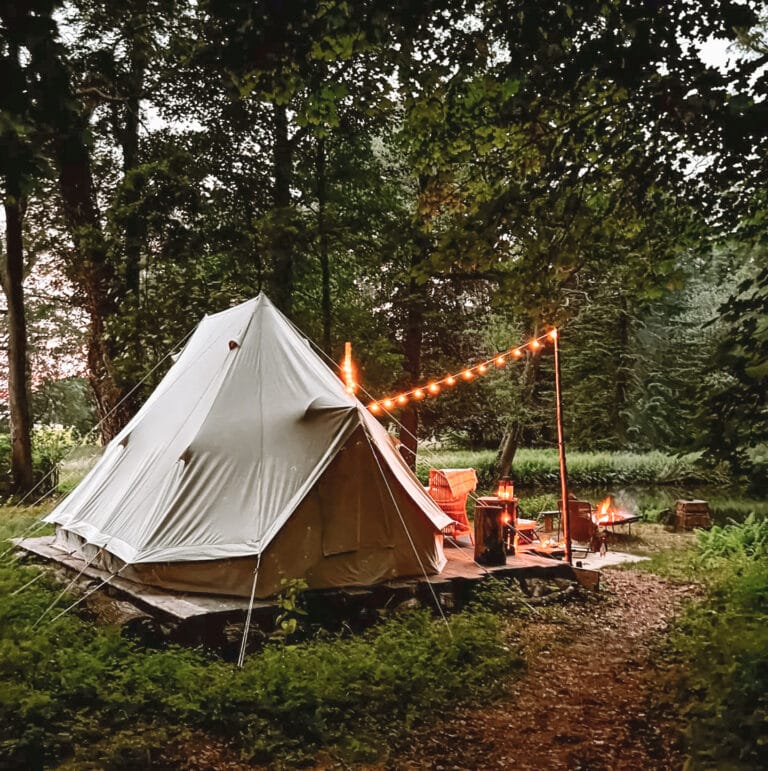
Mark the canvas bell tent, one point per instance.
(250, 451)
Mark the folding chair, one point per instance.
(583, 527)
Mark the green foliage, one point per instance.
(726, 510)
(723, 645)
(67, 402)
(289, 602)
(5, 461)
(66, 687)
(596, 469)
(747, 540)
(50, 445)
(735, 411)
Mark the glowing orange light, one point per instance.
(506, 490)
(348, 369)
(434, 387)
(506, 519)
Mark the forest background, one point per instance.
(435, 182)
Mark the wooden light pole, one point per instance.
(561, 451)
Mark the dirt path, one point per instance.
(584, 702)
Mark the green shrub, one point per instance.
(746, 540)
(537, 468)
(723, 646)
(66, 686)
(50, 444)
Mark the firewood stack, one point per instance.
(692, 514)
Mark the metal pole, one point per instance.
(555, 335)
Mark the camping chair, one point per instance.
(583, 527)
(449, 488)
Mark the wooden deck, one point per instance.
(197, 615)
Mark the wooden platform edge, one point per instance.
(450, 586)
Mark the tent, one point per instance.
(251, 451)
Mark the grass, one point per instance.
(539, 468)
(75, 693)
(79, 695)
(721, 645)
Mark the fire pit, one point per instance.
(608, 515)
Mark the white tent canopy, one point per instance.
(250, 445)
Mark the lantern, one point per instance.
(506, 489)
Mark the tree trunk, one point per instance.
(325, 265)
(414, 327)
(514, 435)
(12, 276)
(282, 254)
(93, 275)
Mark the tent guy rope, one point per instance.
(39, 524)
(248, 615)
(410, 538)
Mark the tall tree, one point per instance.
(19, 151)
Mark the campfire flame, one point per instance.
(606, 513)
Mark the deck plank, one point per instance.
(183, 607)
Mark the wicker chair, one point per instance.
(449, 489)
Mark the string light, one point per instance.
(433, 388)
